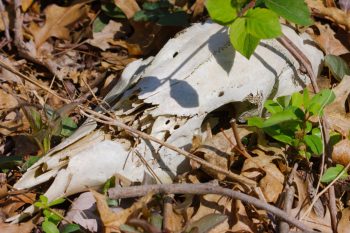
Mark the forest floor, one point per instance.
(58, 59)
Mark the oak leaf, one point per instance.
(326, 39)
(111, 220)
(57, 20)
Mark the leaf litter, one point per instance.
(62, 51)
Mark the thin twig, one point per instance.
(288, 199)
(107, 120)
(111, 121)
(238, 139)
(19, 74)
(202, 189)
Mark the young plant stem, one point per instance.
(250, 5)
(305, 64)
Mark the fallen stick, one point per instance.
(201, 189)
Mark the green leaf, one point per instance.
(68, 127)
(110, 183)
(297, 100)
(206, 223)
(263, 23)
(284, 101)
(280, 134)
(286, 115)
(305, 154)
(334, 138)
(39, 205)
(308, 127)
(316, 132)
(306, 98)
(43, 199)
(332, 172)
(51, 216)
(112, 202)
(337, 66)
(221, 11)
(70, 228)
(295, 11)
(319, 101)
(99, 23)
(49, 227)
(255, 121)
(241, 40)
(314, 143)
(57, 201)
(283, 138)
(35, 120)
(272, 106)
(31, 160)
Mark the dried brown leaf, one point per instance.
(241, 222)
(3, 15)
(83, 212)
(14, 202)
(3, 185)
(325, 38)
(26, 227)
(335, 14)
(337, 117)
(57, 20)
(101, 39)
(26, 4)
(272, 183)
(129, 7)
(341, 152)
(198, 8)
(343, 225)
(218, 150)
(322, 224)
(212, 203)
(111, 220)
(7, 100)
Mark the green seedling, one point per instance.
(290, 123)
(54, 123)
(51, 217)
(249, 21)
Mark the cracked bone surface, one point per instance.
(169, 96)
